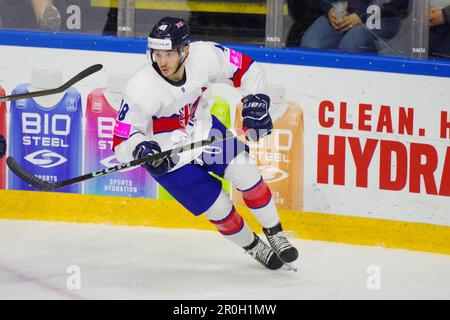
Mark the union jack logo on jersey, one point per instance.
(187, 114)
(184, 118)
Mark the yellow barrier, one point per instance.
(28, 205)
(199, 6)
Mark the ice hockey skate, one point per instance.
(262, 253)
(280, 244)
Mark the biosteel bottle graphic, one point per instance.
(46, 140)
(279, 155)
(100, 120)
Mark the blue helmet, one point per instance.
(169, 33)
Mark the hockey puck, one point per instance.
(2, 146)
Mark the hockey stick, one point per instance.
(83, 74)
(36, 182)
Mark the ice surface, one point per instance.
(117, 262)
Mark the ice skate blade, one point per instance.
(290, 266)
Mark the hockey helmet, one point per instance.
(169, 33)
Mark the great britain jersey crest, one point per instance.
(187, 114)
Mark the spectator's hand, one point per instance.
(50, 19)
(349, 22)
(332, 18)
(436, 18)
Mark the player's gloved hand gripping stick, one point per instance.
(156, 168)
(36, 182)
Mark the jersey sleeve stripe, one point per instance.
(116, 141)
(166, 124)
(237, 77)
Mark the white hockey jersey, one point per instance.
(176, 114)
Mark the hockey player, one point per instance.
(164, 106)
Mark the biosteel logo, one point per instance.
(273, 174)
(273, 153)
(45, 159)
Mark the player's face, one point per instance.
(167, 61)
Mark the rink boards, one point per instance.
(376, 154)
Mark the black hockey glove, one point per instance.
(2, 146)
(156, 168)
(255, 111)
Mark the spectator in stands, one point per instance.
(439, 21)
(29, 14)
(303, 14)
(350, 33)
(111, 22)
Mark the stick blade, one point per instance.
(80, 76)
(19, 171)
(83, 74)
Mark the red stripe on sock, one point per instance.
(258, 196)
(231, 224)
